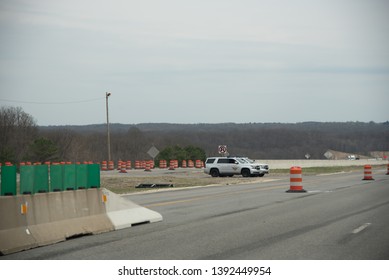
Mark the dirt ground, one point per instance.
(179, 178)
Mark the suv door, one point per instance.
(227, 166)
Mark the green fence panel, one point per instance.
(81, 176)
(56, 178)
(69, 176)
(41, 179)
(8, 180)
(26, 179)
(94, 176)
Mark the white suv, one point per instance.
(230, 166)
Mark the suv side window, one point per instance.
(223, 160)
(231, 160)
(210, 160)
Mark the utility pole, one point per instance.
(107, 94)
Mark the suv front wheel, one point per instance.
(215, 172)
(245, 172)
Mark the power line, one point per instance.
(51, 103)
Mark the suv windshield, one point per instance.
(241, 160)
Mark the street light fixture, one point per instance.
(108, 94)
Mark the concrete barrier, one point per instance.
(124, 213)
(28, 221)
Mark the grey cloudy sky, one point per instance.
(195, 61)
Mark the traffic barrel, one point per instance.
(162, 163)
(104, 166)
(387, 172)
(296, 180)
(147, 166)
(367, 173)
(128, 164)
(172, 164)
(122, 167)
(183, 163)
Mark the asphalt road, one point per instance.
(339, 217)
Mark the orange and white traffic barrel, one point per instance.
(122, 167)
(111, 165)
(104, 166)
(172, 164)
(367, 173)
(296, 180)
(183, 165)
(128, 164)
(387, 172)
(162, 163)
(147, 166)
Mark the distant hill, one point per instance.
(256, 140)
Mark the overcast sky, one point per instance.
(195, 61)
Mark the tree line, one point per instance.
(23, 140)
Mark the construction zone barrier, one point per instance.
(128, 164)
(29, 221)
(162, 164)
(190, 163)
(148, 166)
(184, 164)
(296, 180)
(43, 178)
(387, 172)
(367, 173)
(8, 179)
(172, 165)
(111, 165)
(122, 167)
(198, 164)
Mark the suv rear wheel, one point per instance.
(214, 172)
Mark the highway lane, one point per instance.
(339, 217)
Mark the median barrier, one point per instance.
(14, 233)
(124, 213)
(29, 221)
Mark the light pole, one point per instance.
(107, 94)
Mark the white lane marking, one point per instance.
(362, 227)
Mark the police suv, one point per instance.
(230, 166)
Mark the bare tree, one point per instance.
(17, 130)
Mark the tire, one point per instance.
(245, 172)
(215, 172)
(261, 175)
